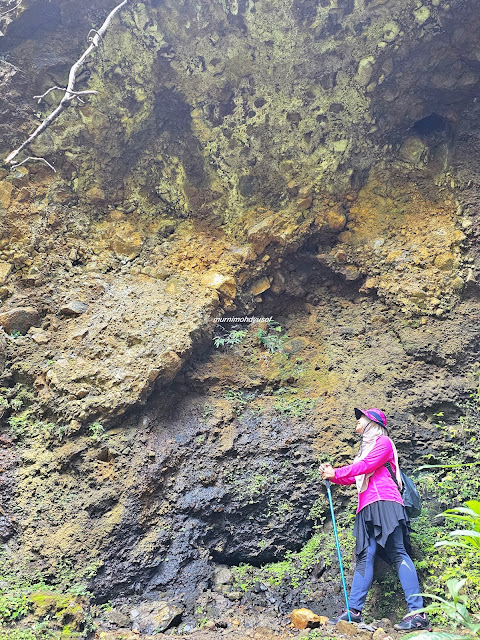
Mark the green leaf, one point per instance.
(465, 532)
(474, 505)
(455, 586)
(466, 510)
(429, 595)
(447, 543)
(463, 611)
(446, 466)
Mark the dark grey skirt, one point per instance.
(380, 519)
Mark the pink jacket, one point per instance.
(380, 485)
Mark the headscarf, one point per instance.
(367, 441)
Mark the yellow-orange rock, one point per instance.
(95, 195)
(222, 283)
(369, 284)
(127, 243)
(351, 630)
(262, 233)
(260, 286)
(445, 261)
(117, 216)
(172, 365)
(345, 236)
(306, 619)
(5, 268)
(19, 319)
(336, 220)
(380, 634)
(39, 336)
(5, 193)
(304, 203)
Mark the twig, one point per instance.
(70, 93)
(10, 10)
(90, 38)
(76, 93)
(19, 164)
(49, 91)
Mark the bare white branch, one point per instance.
(87, 92)
(76, 93)
(19, 164)
(10, 10)
(40, 98)
(90, 37)
(70, 93)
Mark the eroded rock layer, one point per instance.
(316, 162)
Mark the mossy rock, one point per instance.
(67, 611)
(24, 631)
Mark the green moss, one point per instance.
(37, 632)
(24, 424)
(293, 406)
(296, 569)
(23, 591)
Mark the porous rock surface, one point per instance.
(313, 161)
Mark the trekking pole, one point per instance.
(337, 543)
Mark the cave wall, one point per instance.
(312, 161)
(220, 140)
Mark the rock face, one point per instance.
(133, 333)
(316, 162)
(19, 319)
(240, 145)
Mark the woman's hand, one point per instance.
(327, 471)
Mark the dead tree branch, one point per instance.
(19, 164)
(10, 10)
(75, 93)
(70, 93)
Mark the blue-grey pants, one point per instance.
(398, 557)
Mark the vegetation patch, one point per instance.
(52, 610)
(296, 570)
(271, 338)
(288, 404)
(21, 414)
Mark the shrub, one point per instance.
(270, 338)
(230, 339)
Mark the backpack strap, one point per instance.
(394, 477)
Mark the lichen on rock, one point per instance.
(312, 162)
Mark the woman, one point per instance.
(381, 523)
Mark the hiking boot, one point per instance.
(355, 616)
(413, 622)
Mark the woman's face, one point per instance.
(361, 424)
